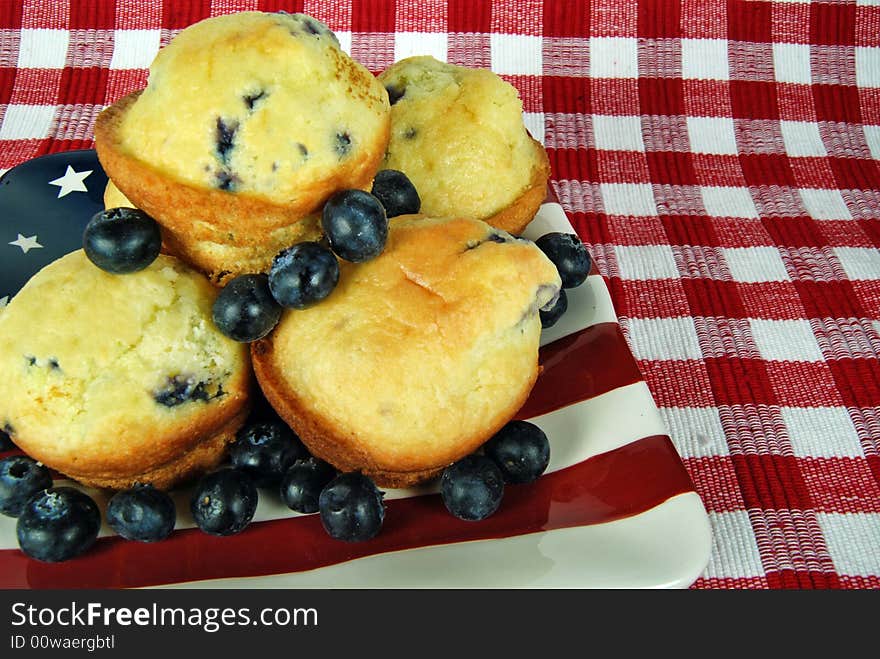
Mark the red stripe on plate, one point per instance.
(620, 483)
(580, 366)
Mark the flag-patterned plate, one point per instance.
(616, 507)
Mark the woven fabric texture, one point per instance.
(721, 160)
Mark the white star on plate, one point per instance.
(4, 301)
(72, 181)
(26, 244)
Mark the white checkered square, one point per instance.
(754, 264)
(697, 432)
(872, 136)
(664, 338)
(802, 138)
(628, 199)
(859, 262)
(618, 133)
(729, 202)
(868, 67)
(791, 62)
(734, 552)
(614, 57)
(134, 49)
(852, 540)
(785, 340)
(26, 122)
(704, 59)
(821, 432)
(646, 262)
(344, 37)
(43, 49)
(516, 54)
(712, 135)
(534, 122)
(824, 204)
(408, 44)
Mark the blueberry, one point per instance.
(396, 193)
(6, 443)
(354, 222)
(351, 508)
(569, 255)
(21, 477)
(122, 240)
(554, 313)
(245, 309)
(224, 502)
(303, 274)
(142, 513)
(472, 488)
(58, 523)
(395, 93)
(521, 451)
(302, 484)
(265, 451)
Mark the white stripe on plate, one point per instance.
(664, 547)
(576, 433)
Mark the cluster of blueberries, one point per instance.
(58, 523)
(355, 226)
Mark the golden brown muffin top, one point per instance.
(458, 134)
(101, 367)
(424, 346)
(259, 103)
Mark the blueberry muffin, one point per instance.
(248, 123)
(458, 134)
(418, 356)
(117, 379)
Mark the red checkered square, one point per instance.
(137, 15)
(607, 20)
(661, 96)
(517, 17)
(79, 85)
(832, 23)
(120, 83)
(566, 19)
(706, 98)
(469, 16)
(659, 19)
(750, 21)
(791, 22)
(178, 15)
(45, 15)
(335, 15)
(693, 19)
(423, 16)
(795, 102)
(772, 300)
(35, 86)
(867, 28)
(753, 100)
(92, 16)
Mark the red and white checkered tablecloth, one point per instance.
(720, 158)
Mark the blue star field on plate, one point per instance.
(45, 204)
